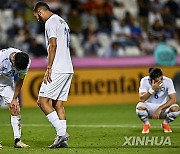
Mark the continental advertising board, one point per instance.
(96, 85)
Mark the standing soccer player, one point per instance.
(59, 72)
(157, 98)
(12, 62)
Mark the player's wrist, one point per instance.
(151, 91)
(48, 67)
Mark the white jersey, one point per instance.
(56, 27)
(161, 95)
(7, 70)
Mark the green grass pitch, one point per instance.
(92, 129)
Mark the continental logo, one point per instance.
(99, 86)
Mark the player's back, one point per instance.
(7, 71)
(56, 27)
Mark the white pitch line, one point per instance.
(92, 126)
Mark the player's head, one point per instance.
(21, 60)
(155, 74)
(40, 11)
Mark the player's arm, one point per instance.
(52, 51)
(143, 96)
(172, 100)
(14, 106)
(51, 56)
(18, 87)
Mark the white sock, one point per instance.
(63, 124)
(165, 121)
(54, 120)
(16, 125)
(143, 115)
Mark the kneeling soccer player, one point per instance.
(157, 98)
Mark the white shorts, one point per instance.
(6, 95)
(152, 107)
(58, 89)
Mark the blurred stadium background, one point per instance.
(113, 43)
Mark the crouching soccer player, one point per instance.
(13, 61)
(157, 98)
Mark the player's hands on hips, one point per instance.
(14, 107)
(156, 85)
(47, 76)
(157, 113)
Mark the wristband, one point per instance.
(151, 91)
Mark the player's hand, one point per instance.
(47, 76)
(156, 85)
(14, 107)
(157, 114)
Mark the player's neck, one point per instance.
(49, 14)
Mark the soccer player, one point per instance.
(12, 62)
(59, 72)
(157, 98)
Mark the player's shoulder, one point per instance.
(8, 51)
(166, 79)
(145, 79)
(54, 19)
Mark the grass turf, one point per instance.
(92, 129)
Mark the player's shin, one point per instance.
(16, 125)
(171, 116)
(143, 115)
(54, 120)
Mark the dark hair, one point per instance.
(155, 73)
(41, 5)
(21, 60)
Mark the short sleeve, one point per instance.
(170, 87)
(51, 29)
(143, 87)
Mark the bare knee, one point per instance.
(141, 108)
(42, 101)
(15, 112)
(174, 109)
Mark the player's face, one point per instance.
(38, 16)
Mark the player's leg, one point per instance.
(170, 115)
(53, 118)
(50, 113)
(141, 111)
(16, 125)
(8, 93)
(64, 86)
(59, 107)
